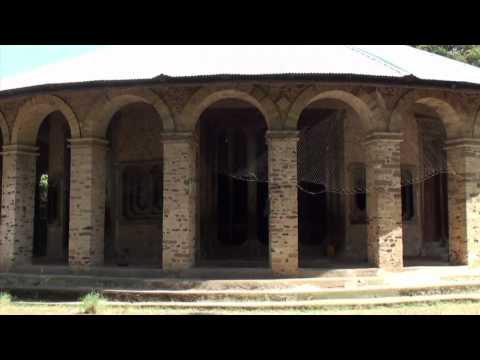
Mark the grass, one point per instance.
(5, 298)
(94, 304)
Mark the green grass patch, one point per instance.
(92, 303)
(5, 299)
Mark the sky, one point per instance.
(16, 59)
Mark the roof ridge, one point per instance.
(379, 59)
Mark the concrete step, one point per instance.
(294, 293)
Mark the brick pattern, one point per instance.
(87, 202)
(463, 156)
(179, 200)
(282, 175)
(385, 248)
(18, 204)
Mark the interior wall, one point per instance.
(355, 231)
(57, 172)
(233, 211)
(135, 133)
(410, 155)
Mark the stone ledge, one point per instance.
(18, 149)
(462, 143)
(178, 137)
(84, 142)
(282, 134)
(391, 137)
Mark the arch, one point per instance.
(442, 105)
(99, 118)
(32, 113)
(5, 130)
(310, 95)
(476, 123)
(205, 97)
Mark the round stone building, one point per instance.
(275, 157)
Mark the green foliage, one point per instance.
(92, 303)
(5, 298)
(466, 53)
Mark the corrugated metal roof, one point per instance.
(128, 62)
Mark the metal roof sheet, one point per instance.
(127, 62)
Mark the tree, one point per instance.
(466, 53)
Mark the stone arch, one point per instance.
(206, 96)
(32, 113)
(5, 130)
(310, 95)
(440, 103)
(476, 123)
(99, 118)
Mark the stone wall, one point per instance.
(379, 108)
(18, 199)
(464, 201)
(385, 241)
(87, 202)
(136, 142)
(179, 200)
(282, 174)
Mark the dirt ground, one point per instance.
(457, 308)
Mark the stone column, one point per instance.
(283, 214)
(18, 205)
(87, 202)
(384, 200)
(463, 157)
(179, 201)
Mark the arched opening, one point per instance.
(424, 187)
(134, 188)
(52, 191)
(233, 194)
(331, 185)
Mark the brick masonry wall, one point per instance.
(179, 199)
(18, 199)
(282, 174)
(463, 156)
(385, 247)
(87, 202)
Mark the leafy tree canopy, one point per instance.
(466, 53)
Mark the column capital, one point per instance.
(462, 143)
(86, 142)
(282, 135)
(390, 137)
(19, 149)
(178, 137)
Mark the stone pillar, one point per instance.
(18, 205)
(384, 200)
(87, 202)
(282, 177)
(463, 157)
(179, 201)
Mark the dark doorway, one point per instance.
(52, 191)
(233, 196)
(434, 188)
(134, 188)
(320, 179)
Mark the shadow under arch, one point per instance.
(5, 136)
(101, 115)
(232, 169)
(311, 95)
(446, 112)
(32, 113)
(424, 174)
(205, 98)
